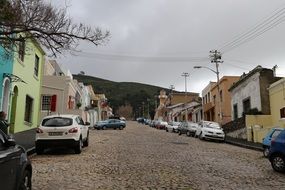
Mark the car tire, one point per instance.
(39, 150)
(200, 136)
(266, 152)
(104, 128)
(86, 142)
(166, 130)
(121, 127)
(188, 133)
(26, 182)
(179, 132)
(78, 147)
(278, 162)
(173, 131)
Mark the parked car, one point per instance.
(161, 125)
(16, 168)
(110, 123)
(272, 134)
(277, 152)
(172, 126)
(188, 128)
(62, 131)
(210, 130)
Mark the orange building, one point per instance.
(211, 103)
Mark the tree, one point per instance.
(48, 25)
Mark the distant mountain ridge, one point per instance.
(123, 93)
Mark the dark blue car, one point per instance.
(277, 152)
(272, 134)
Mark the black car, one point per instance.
(15, 167)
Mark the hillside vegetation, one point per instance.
(124, 93)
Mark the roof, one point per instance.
(244, 76)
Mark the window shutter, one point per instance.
(53, 103)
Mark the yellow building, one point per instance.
(259, 125)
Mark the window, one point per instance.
(235, 108)
(28, 109)
(282, 112)
(21, 51)
(221, 95)
(214, 99)
(209, 97)
(36, 67)
(246, 105)
(46, 102)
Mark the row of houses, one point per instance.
(250, 104)
(33, 87)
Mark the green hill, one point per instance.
(124, 93)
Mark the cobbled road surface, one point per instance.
(140, 157)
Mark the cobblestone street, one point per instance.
(140, 157)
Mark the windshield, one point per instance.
(213, 125)
(57, 122)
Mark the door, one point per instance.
(9, 160)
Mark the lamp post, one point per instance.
(185, 75)
(215, 58)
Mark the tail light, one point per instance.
(73, 130)
(38, 130)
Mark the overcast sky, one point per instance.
(155, 41)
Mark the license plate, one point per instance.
(55, 133)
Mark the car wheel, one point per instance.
(121, 127)
(278, 163)
(166, 130)
(179, 132)
(39, 150)
(78, 147)
(200, 136)
(26, 182)
(104, 127)
(188, 133)
(173, 131)
(86, 142)
(266, 151)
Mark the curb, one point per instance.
(244, 145)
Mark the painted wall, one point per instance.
(225, 83)
(31, 87)
(277, 102)
(6, 66)
(249, 88)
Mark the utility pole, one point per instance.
(216, 58)
(185, 75)
(143, 109)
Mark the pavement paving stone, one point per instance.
(140, 157)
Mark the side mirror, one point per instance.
(87, 123)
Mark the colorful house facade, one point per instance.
(26, 85)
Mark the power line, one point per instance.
(267, 24)
(121, 57)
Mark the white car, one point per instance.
(210, 130)
(62, 131)
(172, 126)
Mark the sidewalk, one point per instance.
(26, 139)
(244, 143)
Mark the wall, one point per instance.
(6, 66)
(257, 126)
(31, 87)
(277, 101)
(249, 88)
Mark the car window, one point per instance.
(80, 121)
(57, 122)
(275, 134)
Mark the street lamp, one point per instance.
(218, 85)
